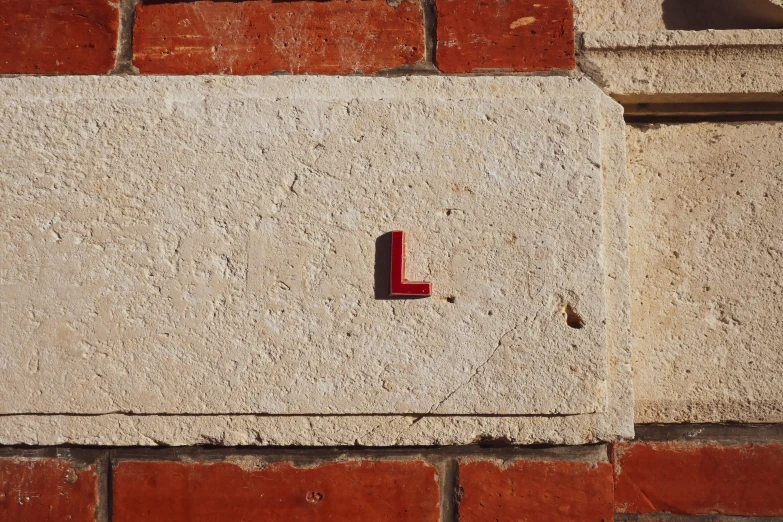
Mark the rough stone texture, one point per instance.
(47, 489)
(690, 15)
(685, 65)
(260, 37)
(200, 265)
(497, 35)
(394, 491)
(229, 266)
(58, 36)
(699, 478)
(248, 430)
(618, 15)
(707, 271)
(529, 490)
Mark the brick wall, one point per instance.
(294, 36)
(670, 474)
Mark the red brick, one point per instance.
(554, 491)
(504, 35)
(58, 36)
(262, 36)
(699, 478)
(47, 489)
(346, 492)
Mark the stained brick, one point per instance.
(364, 491)
(699, 478)
(504, 35)
(47, 489)
(58, 36)
(263, 36)
(554, 491)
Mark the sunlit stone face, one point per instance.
(216, 245)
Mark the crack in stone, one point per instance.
(475, 372)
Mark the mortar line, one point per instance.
(124, 53)
(449, 471)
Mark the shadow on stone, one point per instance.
(700, 15)
(383, 267)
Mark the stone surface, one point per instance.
(220, 257)
(685, 66)
(497, 35)
(58, 36)
(689, 15)
(697, 478)
(707, 271)
(255, 490)
(261, 37)
(47, 489)
(249, 430)
(556, 491)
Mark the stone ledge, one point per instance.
(688, 67)
(629, 40)
(270, 430)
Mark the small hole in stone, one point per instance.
(451, 299)
(314, 497)
(573, 319)
(448, 212)
(489, 313)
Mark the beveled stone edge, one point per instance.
(683, 40)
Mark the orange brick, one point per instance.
(364, 491)
(504, 35)
(699, 478)
(262, 36)
(58, 36)
(554, 491)
(47, 489)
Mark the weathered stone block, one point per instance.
(707, 260)
(211, 245)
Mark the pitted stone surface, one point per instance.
(707, 272)
(208, 245)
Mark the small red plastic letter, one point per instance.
(399, 285)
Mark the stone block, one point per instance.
(686, 67)
(706, 271)
(214, 245)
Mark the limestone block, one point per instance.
(213, 245)
(686, 66)
(706, 247)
